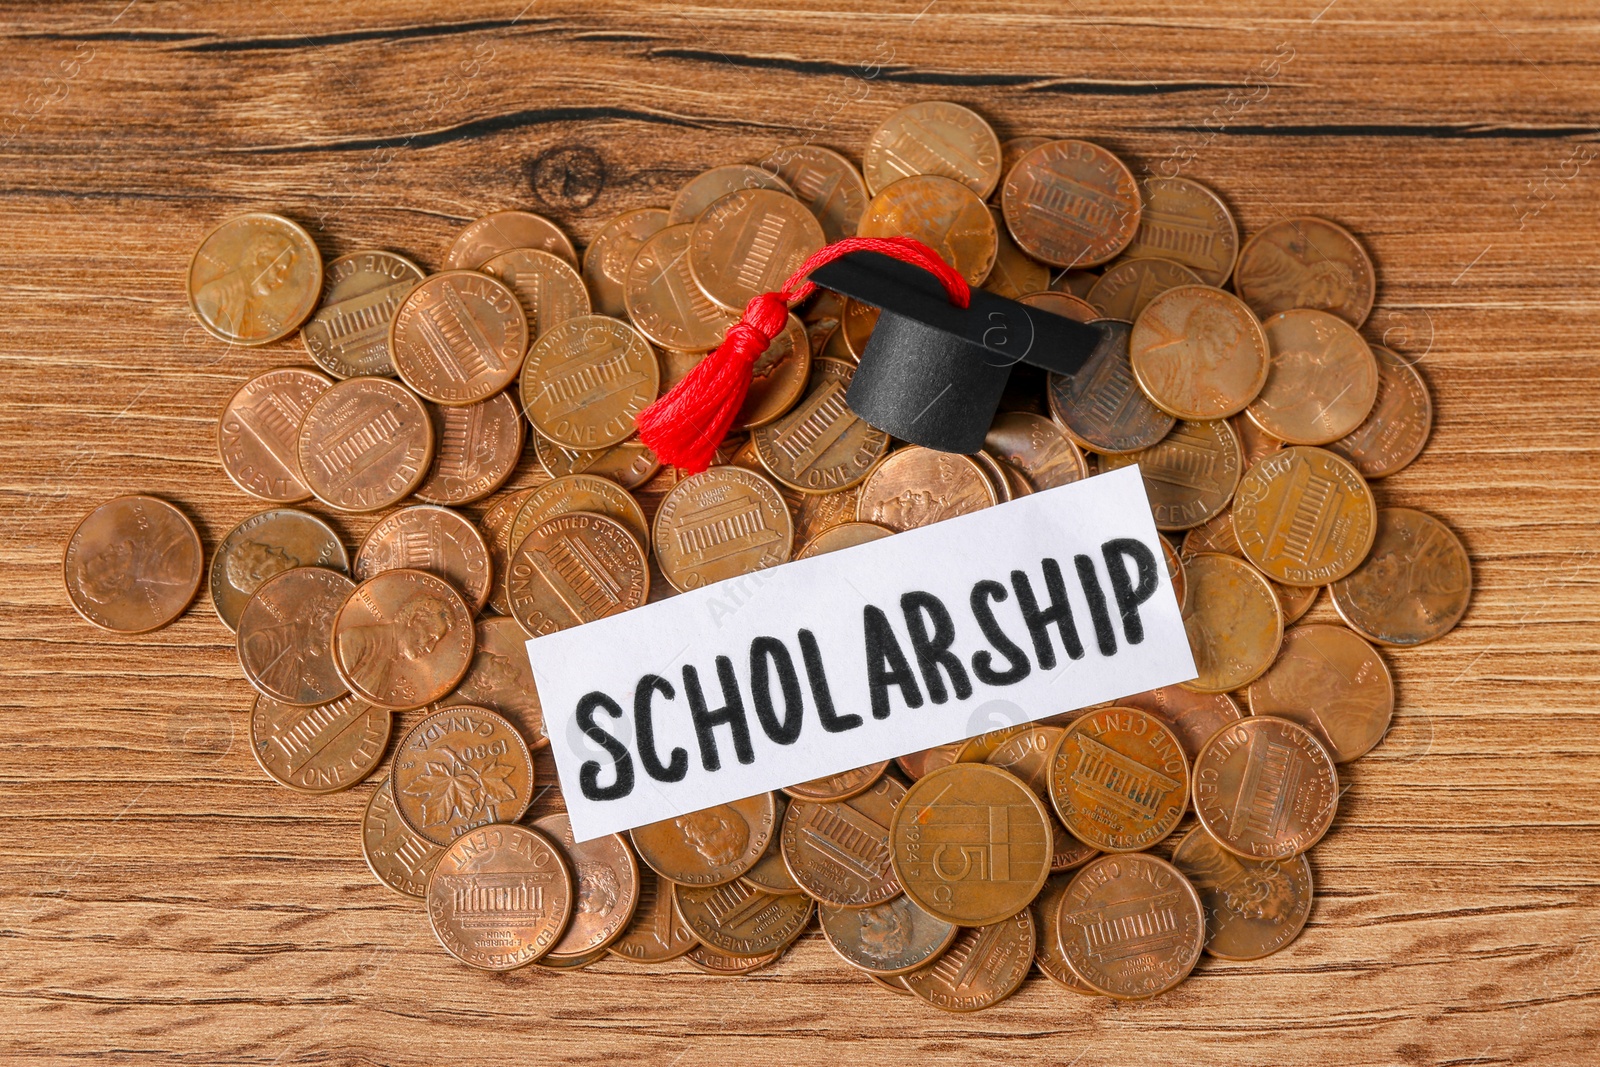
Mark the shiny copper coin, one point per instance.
(845, 535)
(838, 851)
(886, 939)
(917, 486)
(320, 749)
(255, 279)
(1322, 382)
(499, 897)
(1304, 516)
(425, 537)
(710, 846)
(827, 183)
(777, 378)
(663, 300)
(458, 769)
(1254, 442)
(933, 137)
(1192, 717)
(1265, 788)
(1035, 446)
(1180, 585)
(349, 335)
(502, 231)
(495, 525)
(1413, 587)
(819, 512)
(459, 337)
(726, 965)
(574, 569)
(1126, 288)
(1394, 431)
(821, 445)
(501, 679)
(741, 920)
(980, 748)
(1071, 204)
(917, 764)
(476, 447)
(260, 425)
(1306, 262)
(1234, 622)
(580, 492)
(1131, 926)
(1066, 305)
(1217, 535)
(1027, 754)
(770, 872)
(1333, 683)
(1015, 273)
(365, 444)
(285, 634)
(266, 544)
(548, 287)
(396, 857)
(1198, 353)
(1101, 407)
(1190, 474)
(1049, 957)
(586, 380)
(1008, 482)
(707, 187)
(982, 966)
(657, 933)
(404, 638)
(748, 242)
(606, 260)
(840, 786)
(630, 464)
(606, 890)
(943, 214)
(1119, 779)
(1187, 223)
(1253, 907)
(718, 524)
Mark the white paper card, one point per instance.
(825, 664)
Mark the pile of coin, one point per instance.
(1257, 416)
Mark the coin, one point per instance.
(844, 535)
(1015, 273)
(821, 445)
(548, 287)
(606, 260)
(320, 749)
(1027, 753)
(396, 857)
(741, 920)
(917, 764)
(425, 537)
(1049, 957)
(259, 426)
(657, 933)
(1187, 223)
(1323, 379)
(1131, 926)
(349, 335)
(365, 444)
(502, 231)
(725, 965)
(1234, 622)
(268, 543)
(1101, 407)
(501, 679)
(459, 337)
(586, 380)
(1254, 442)
(983, 965)
(824, 181)
(1008, 482)
(460, 768)
(840, 786)
(1071, 204)
(574, 569)
(1075, 283)
(284, 635)
(1414, 585)
(1119, 780)
(664, 302)
(917, 486)
(943, 214)
(580, 492)
(707, 187)
(777, 378)
(606, 890)
(1011, 150)
(499, 897)
(1217, 535)
(254, 279)
(630, 464)
(1198, 353)
(817, 513)
(770, 872)
(1253, 907)
(1126, 288)
(894, 984)
(495, 525)
(971, 844)
(1035, 446)
(710, 846)
(838, 852)
(1306, 262)
(1265, 788)
(403, 639)
(1304, 516)
(748, 242)
(1333, 683)
(1394, 431)
(1192, 717)
(886, 939)
(856, 326)
(719, 524)
(1175, 573)
(476, 447)
(1189, 475)
(933, 137)
(1066, 305)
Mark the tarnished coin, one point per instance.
(1234, 622)
(1304, 516)
(501, 679)
(349, 335)
(548, 287)
(365, 444)
(499, 897)
(1027, 753)
(1071, 204)
(266, 544)
(320, 749)
(943, 214)
(1101, 407)
(1265, 788)
(718, 524)
(285, 634)
(258, 430)
(630, 464)
(1198, 353)
(1322, 382)
(933, 137)
(838, 851)
(458, 769)
(1254, 442)
(396, 857)
(726, 965)
(777, 378)
(496, 525)
(844, 535)
(502, 231)
(1048, 956)
(254, 279)
(657, 933)
(741, 920)
(1035, 446)
(1013, 149)
(1414, 585)
(707, 187)
(586, 380)
(1306, 262)
(606, 260)
(971, 844)
(1190, 474)
(710, 846)
(425, 537)
(1253, 907)
(1015, 273)
(1192, 717)
(1126, 288)
(886, 939)
(770, 872)
(1333, 683)
(580, 492)
(821, 445)
(664, 302)
(1075, 283)
(827, 183)
(983, 965)
(476, 447)
(748, 242)
(1066, 305)
(403, 638)
(917, 764)
(917, 486)
(1131, 926)
(1119, 779)
(459, 337)
(1189, 224)
(1394, 431)
(574, 569)
(606, 890)
(840, 786)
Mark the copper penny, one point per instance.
(1013, 149)
(606, 260)
(748, 242)
(1414, 585)
(425, 537)
(1008, 482)
(606, 890)
(894, 937)
(1394, 431)
(893, 983)
(1119, 779)
(1180, 585)
(1333, 683)
(943, 214)
(1253, 907)
(1027, 753)
(1035, 446)
(1126, 288)
(1198, 353)
(741, 920)
(586, 380)
(917, 764)
(819, 512)
(495, 525)
(933, 137)
(403, 639)
(266, 544)
(664, 302)
(1190, 474)
(838, 852)
(1192, 717)
(1234, 622)
(726, 965)
(459, 337)
(1066, 305)
(827, 183)
(1049, 956)
(502, 231)
(770, 872)
(630, 464)
(1015, 273)
(1217, 535)
(320, 749)
(719, 524)
(840, 786)
(365, 444)
(821, 445)
(777, 378)
(548, 287)
(396, 857)
(501, 680)
(349, 335)
(285, 632)
(1075, 283)
(255, 279)
(710, 846)
(844, 535)
(476, 447)
(1131, 926)
(1306, 262)
(1254, 442)
(574, 569)
(1187, 223)
(983, 965)
(1304, 516)
(1071, 204)
(1265, 788)
(1101, 407)
(856, 326)
(707, 187)
(580, 492)
(458, 769)
(258, 430)
(499, 897)
(657, 933)
(1322, 382)
(917, 486)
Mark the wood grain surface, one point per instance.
(161, 901)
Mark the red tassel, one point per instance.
(685, 427)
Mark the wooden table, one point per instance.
(161, 901)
